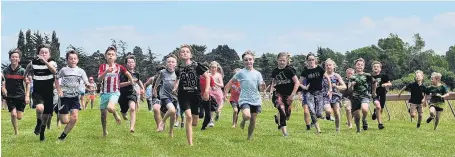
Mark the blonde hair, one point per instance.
(218, 67)
(331, 61)
(359, 60)
(350, 69)
(418, 71)
(285, 54)
(436, 75)
(376, 62)
(185, 46)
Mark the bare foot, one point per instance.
(117, 118)
(234, 126)
(161, 126)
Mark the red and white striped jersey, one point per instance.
(111, 80)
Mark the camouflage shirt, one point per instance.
(363, 85)
(433, 90)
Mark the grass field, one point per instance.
(399, 138)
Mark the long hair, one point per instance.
(218, 67)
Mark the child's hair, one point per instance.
(110, 48)
(218, 67)
(436, 75)
(71, 52)
(350, 69)
(309, 55)
(171, 56)
(43, 46)
(160, 67)
(285, 54)
(185, 46)
(130, 57)
(359, 60)
(418, 71)
(249, 52)
(17, 50)
(330, 61)
(376, 62)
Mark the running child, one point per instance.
(109, 74)
(286, 84)
(210, 105)
(13, 88)
(42, 71)
(189, 93)
(347, 96)
(250, 98)
(383, 83)
(234, 98)
(438, 93)
(128, 96)
(167, 77)
(69, 92)
(417, 90)
(91, 92)
(156, 102)
(333, 103)
(217, 74)
(360, 84)
(314, 75)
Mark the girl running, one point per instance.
(438, 93)
(234, 99)
(337, 85)
(250, 98)
(314, 74)
(417, 90)
(189, 93)
(217, 74)
(285, 83)
(109, 73)
(360, 84)
(208, 106)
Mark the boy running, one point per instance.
(69, 92)
(438, 93)
(347, 96)
(234, 99)
(13, 87)
(360, 84)
(383, 82)
(417, 90)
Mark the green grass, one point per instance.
(399, 138)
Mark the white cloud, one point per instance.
(438, 33)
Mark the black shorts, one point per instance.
(45, 98)
(124, 101)
(253, 109)
(16, 103)
(188, 101)
(437, 108)
(166, 101)
(68, 104)
(381, 99)
(235, 104)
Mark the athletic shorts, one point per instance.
(356, 103)
(381, 99)
(68, 104)
(91, 96)
(164, 103)
(124, 100)
(437, 108)
(81, 93)
(304, 99)
(45, 98)
(108, 97)
(335, 99)
(235, 104)
(16, 103)
(189, 101)
(253, 109)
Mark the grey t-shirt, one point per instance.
(168, 80)
(71, 80)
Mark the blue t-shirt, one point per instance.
(249, 83)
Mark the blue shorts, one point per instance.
(108, 97)
(304, 99)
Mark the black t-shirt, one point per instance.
(283, 80)
(314, 77)
(189, 77)
(14, 81)
(417, 92)
(129, 88)
(381, 79)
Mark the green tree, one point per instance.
(450, 57)
(21, 42)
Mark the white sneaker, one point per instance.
(211, 124)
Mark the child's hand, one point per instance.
(27, 100)
(60, 93)
(109, 70)
(205, 97)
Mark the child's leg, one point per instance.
(419, 116)
(432, 114)
(252, 125)
(356, 115)
(207, 119)
(336, 113)
(14, 121)
(306, 116)
(246, 115)
(189, 126)
(413, 110)
(74, 114)
(348, 112)
(157, 114)
(328, 110)
(111, 107)
(104, 121)
(170, 113)
(132, 106)
(436, 120)
(39, 117)
(365, 105)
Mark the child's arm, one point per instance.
(402, 90)
(124, 84)
(207, 86)
(342, 85)
(374, 86)
(329, 92)
(296, 86)
(57, 86)
(301, 83)
(102, 72)
(5, 93)
(149, 81)
(220, 79)
(27, 90)
(272, 85)
(227, 88)
(157, 82)
(51, 67)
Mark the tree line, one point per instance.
(399, 59)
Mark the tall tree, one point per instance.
(450, 56)
(30, 48)
(55, 46)
(21, 42)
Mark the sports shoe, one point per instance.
(365, 125)
(211, 124)
(381, 126)
(429, 119)
(373, 116)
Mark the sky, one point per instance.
(295, 27)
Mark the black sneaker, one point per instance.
(418, 125)
(182, 124)
(41, 134)
(276, 119)
(381, 126)
(37, 129)
(429, 119)
(327, 117)
(308, 127)
(217, 116)
(373, 116)
(365, 125)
